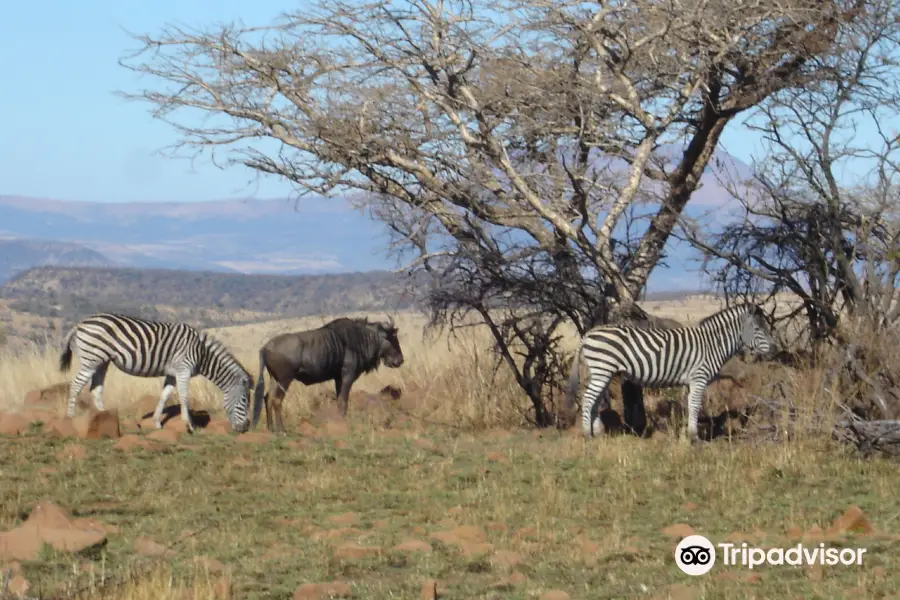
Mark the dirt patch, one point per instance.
(13, 424)
(321, 591)
(413, 546)
(72, 452)
(130, 442)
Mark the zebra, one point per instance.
(145, 348)
(657, 358)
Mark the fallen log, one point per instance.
(870, 436)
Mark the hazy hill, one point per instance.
(281, 236)
(19, 255)
(205, 298)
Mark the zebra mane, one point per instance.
(218, 348)
(737, 309)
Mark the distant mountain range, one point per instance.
(311, 236)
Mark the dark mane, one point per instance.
(747, 307)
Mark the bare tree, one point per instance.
(821, 218)
(502, 140)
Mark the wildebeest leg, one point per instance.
(273, 405)
(343, 392)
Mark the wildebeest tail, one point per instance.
(260, 391)
(574, 378)
(65, 356)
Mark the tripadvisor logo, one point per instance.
(696, 555)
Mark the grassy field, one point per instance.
(443, 484)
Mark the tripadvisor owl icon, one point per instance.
(695, 555)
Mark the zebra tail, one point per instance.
(260, 391)
(574, 378)
(65, 356)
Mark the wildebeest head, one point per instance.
(389, 350)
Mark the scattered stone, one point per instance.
(356, 552)
(129, 442)
(48, 524)
(411, 546)
(346, 519)
(853, 520)
(164, 435)
(98, 425)
(337, 428)
(72, 452)
(13, 424)
(218, 427)
(689, 506)
(555, 595)
(679, 530)
(322, 591)
(470, 533)
(473, 549)
(306, 428)
(37, 415)
(148, 547)
(429, 590)
(61, 428)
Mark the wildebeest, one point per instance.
(340, 350)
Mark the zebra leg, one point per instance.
(596, 390)
(97, 385)
(696, 389)
(168, 386)
(85, 373)
(182, 381)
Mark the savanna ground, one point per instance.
(444, 483)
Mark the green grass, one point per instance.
(594, 511)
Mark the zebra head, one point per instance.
(756, 335)
(237, 403)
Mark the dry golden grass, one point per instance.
(586, 518)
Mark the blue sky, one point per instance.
(67, 136)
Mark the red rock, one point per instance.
(13, 424)
(98, 425)
(36, 415)
(429, 590)
(61, 428)
(322, 591)
(853, 520)
(33, 397)
(129, 442)
(470, 533)
(679, 530)
(148, 547)
(689, 506)
(218, 427)
(164, 435)
(410, 546)
(355, 552)
(48, 524)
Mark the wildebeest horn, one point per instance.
(390, 321)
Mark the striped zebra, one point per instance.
(657, 358)
(145, 348)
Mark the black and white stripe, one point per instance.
(657, 358)
(145, 348)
